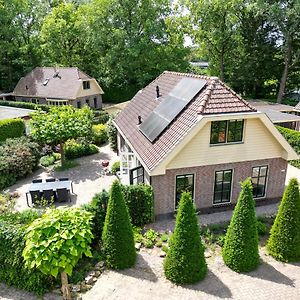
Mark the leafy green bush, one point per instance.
(262, 228)
(140, 202)
(99, 132)
(75, 149)
(100, 117)
(117, 236)
(19, 157)
(115, 167)
(293, 138)
(13, 271)
(240, 250)
(284, 241)
(11, 128)
(98, 207)
(185, 262)
(56, 241)
(7, 203)
(24, 105)
(112, 134)
(47, 160)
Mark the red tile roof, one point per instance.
(214, 98)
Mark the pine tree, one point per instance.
(284, 241)
(240, 250)
(185, 262)
(117, 233)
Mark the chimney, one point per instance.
(139, 120)
(157, 92)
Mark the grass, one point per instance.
(67, 165)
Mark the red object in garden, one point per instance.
(105, 163)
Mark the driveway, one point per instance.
(271, 281)
(88, 178)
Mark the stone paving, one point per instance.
(88, 178)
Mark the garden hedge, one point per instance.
(240, 250)
(19, 157)
(185, 262)
(140, 202)
(284, 241)
(117, 236)
(11, 128)
(75, 149)
(13, 271)
(293, 138)
(27, 105)
(99, 133)
(112, 134)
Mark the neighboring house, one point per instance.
(191, 132)
(7, 112)
(59, 86)
(280, 114)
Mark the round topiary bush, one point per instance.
(284, 241)
(117, 233)
(240, 250)
(185, 262)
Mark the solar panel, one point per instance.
(171, 106)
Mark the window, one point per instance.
(78, 104)
(95, 103)
(230, 131)
(86, 85)
(87, 101)
(35, 101)
(57, 102)
(184, 183)
(137, 175)
(259, 181)
(222, 189)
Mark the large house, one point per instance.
(186, 132)
(59, 86)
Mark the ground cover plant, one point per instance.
(284, 241)
(56, 241)
(240, 250)
(185, 262)
(117, 236)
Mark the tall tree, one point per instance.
(215, 26)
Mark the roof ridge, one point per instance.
(191, 75)
(206, 96)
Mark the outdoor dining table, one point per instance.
(41, 186)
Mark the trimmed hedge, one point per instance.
(117, 236)
(13, 271)
(11, 128)
(24, 105)
(100, 117)
(112, 134)
(240, 250)
(284, 241)
(19, 157)
(185, 262)
(293, 138)
(74, 149)
(140, 202)
(98, 207)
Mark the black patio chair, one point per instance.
(63, 195)
(35, 197)
(37, 180)
(48, 195)
(50, 180)
(63, 179)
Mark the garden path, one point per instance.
(272, 280)
(88, 178)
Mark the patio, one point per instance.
(88, 178)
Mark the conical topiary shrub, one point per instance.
(240, 250)
(117, 236)
(284, 241)
(185, 262)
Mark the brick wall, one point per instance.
(164, 185)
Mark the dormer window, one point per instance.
(86, 85)
(226, 132)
